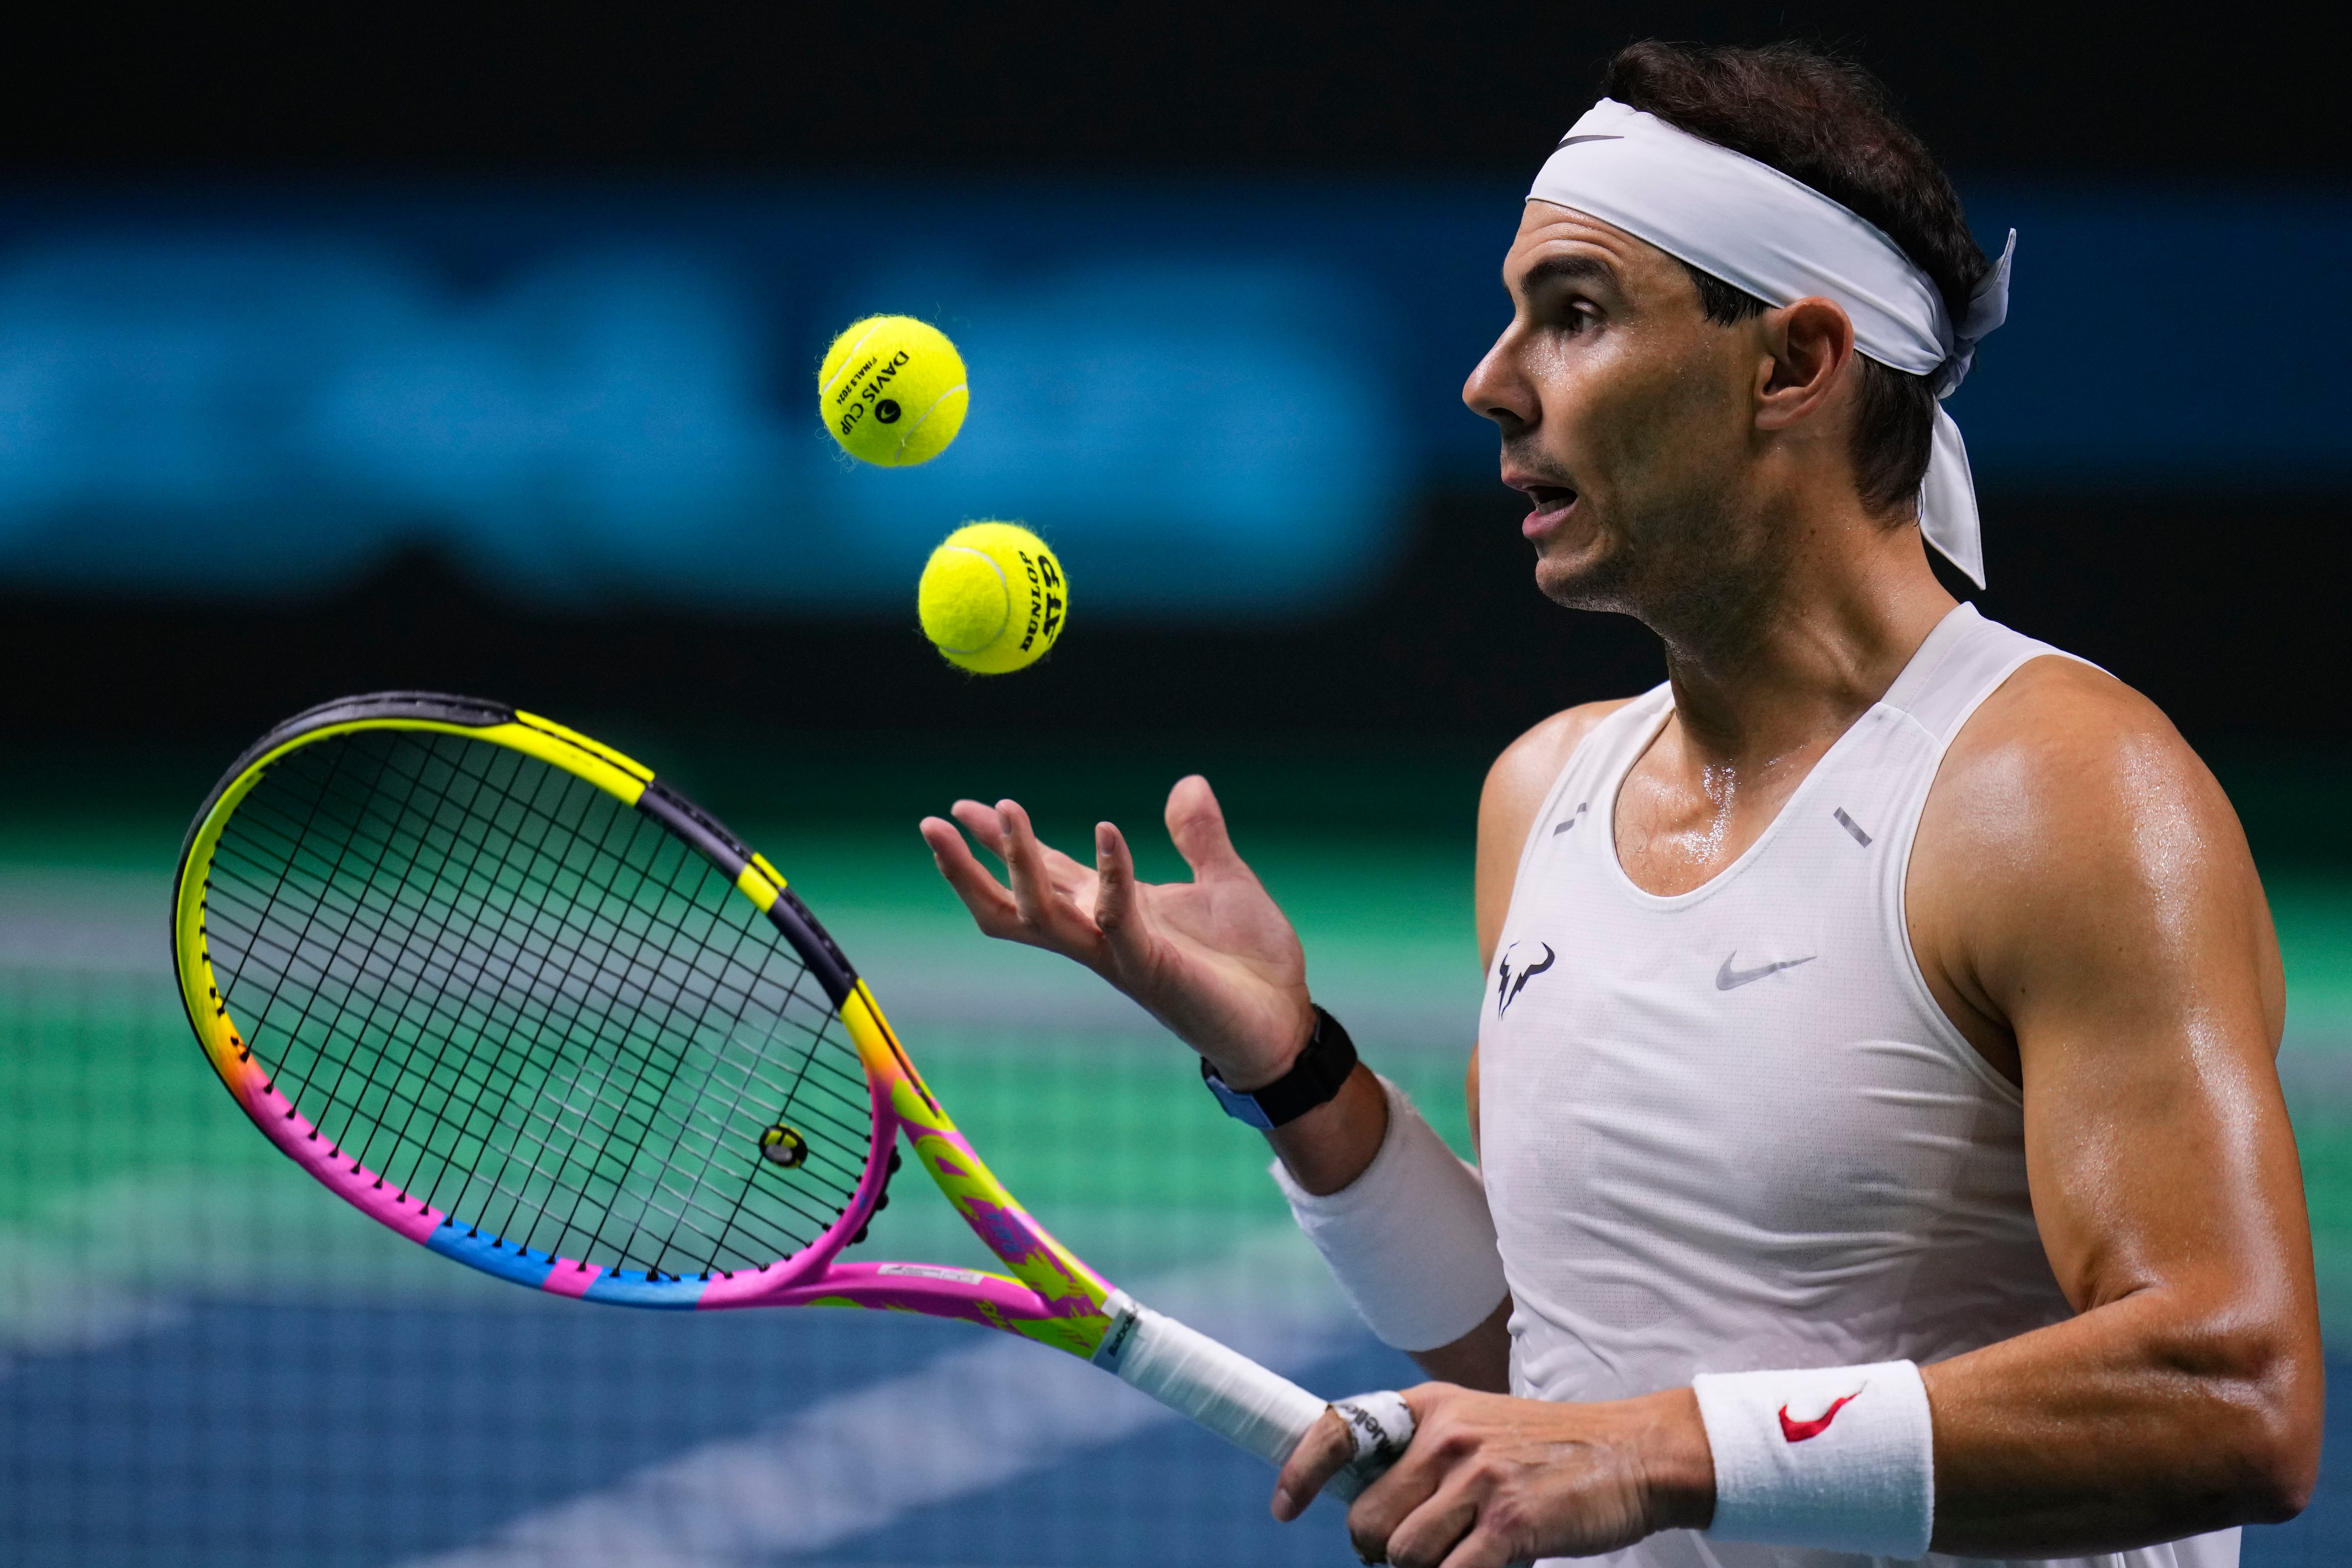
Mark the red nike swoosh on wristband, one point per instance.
(1798, 1431)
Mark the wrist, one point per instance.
(1328, 1147)
(1836, 1457)
(1252, 1074)
(1678, 1465)
(1316, 1074)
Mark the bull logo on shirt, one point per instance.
(1508, 985)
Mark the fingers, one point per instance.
(983, 822)
(1038, 909)
(987, 824)
(1323, 1453)
(993, 908)
(1376, 1518)
(1443, 1530)
(1115, 895)
(1196, 824)
(1025, 862)
(1046, 889)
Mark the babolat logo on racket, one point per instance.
(1115, 1343)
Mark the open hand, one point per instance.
(1489, 1479)
(1211, 958)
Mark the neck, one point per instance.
(1785, 662)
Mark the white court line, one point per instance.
(970, 1421)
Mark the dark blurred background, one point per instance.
(431, 345)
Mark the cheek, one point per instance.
(1663, 413)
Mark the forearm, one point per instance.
(1331, 1145)
(2144, 1420)
(1480, 1359)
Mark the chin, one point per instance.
(1584, 580)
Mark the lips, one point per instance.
(1548, 507)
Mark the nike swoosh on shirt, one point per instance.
(1798, 1431)
(1728, 978)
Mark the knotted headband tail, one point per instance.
(1780, 240)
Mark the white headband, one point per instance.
(1780, 240)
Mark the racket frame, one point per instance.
(1047, 1294)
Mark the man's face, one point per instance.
(1627, 418)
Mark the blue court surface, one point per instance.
(255, 1434)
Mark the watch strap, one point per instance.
(1317, 1075)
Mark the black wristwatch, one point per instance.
(1312, 1080)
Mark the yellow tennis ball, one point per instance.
(992, 599)
(892, 390)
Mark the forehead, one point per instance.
(1549, 233)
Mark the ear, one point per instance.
(1810, 343)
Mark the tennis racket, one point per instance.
(503, 990)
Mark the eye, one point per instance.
(1575, 315)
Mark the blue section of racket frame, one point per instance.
(491, 1254)
(495, 1255)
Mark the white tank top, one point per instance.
(1731, 1129)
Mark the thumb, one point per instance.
(1196, 824)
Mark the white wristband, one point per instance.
(1409, 1240)
(1839, 1457)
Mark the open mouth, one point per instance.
(1546, 504)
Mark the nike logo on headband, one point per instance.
(1572, 141)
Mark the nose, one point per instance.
(1497, 390)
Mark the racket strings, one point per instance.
(464, 1075)
(398, 963)
(530, 1007)
(608, 1096)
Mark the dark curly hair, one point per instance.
(1829, 123)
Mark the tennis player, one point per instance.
(1883, 1152)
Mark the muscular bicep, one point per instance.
(2082, 904)
(2085, 888)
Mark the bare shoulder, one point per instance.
(2066, 750)
(1515, 791)
(1525, 772)
(2071, 820)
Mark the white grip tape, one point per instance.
(1409, 1240)
(1842, 1459)
(1228, 1393)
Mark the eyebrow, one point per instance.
(1567, 269)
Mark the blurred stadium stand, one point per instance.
(494, 413)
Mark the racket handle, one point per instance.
(1225, 1391)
